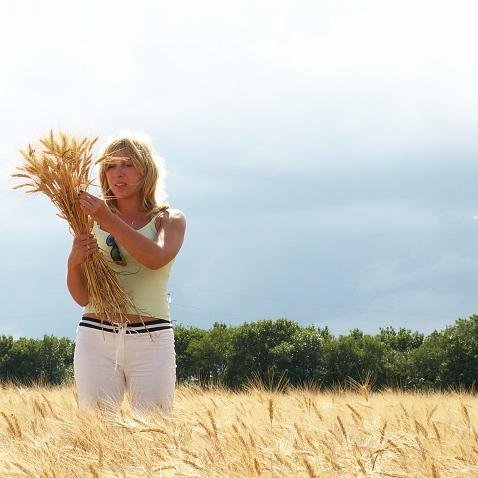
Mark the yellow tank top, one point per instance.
(146, 287)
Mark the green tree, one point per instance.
(56, 359)
(185, 365)
(358, 356)
(28, 360)
(251, 346)
(402, 340)
(422, 366)
(209, 353)
(448, 358)
(302, 356)
(21, 362)
(460, 343)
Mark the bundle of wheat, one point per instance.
(61, 170)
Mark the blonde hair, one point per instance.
(150, 166)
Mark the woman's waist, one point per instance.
(133, 324)
(142, 307)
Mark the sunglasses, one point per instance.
(115, 252)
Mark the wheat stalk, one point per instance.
(61, 170)
(93, 443)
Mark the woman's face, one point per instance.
(123, 178)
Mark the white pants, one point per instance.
(106, 363)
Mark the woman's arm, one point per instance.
(83, 246)
(152, 254)
(171, 229)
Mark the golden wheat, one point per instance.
(218, 433)
(61, 170)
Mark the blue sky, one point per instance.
(324, 153)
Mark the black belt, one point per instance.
(131, 328)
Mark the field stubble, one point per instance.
(256, 432)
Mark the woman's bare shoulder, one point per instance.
(171, 218)
(176, 214)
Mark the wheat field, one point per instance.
(257, 432)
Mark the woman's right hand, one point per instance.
(83, 246)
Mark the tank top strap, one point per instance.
(160, 215)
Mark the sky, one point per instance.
(323, 152)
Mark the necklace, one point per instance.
(130, 222)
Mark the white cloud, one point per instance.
(310, 87)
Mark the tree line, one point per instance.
(268, 349)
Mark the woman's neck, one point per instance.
(128, 208)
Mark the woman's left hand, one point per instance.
(94, 207)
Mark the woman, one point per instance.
(140, 239)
